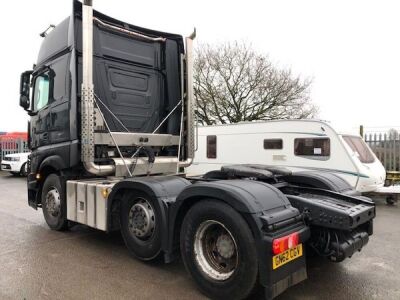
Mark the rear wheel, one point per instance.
(53, 203)
(140, 225)
(218, 250)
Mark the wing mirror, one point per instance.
(24, 88)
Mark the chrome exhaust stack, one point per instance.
(189, 102)
(87, 96)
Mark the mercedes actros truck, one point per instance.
(111, 129)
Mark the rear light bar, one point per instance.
(284, 243)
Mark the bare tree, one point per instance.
(393, 133)
(233, 83)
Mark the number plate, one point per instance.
(287, 256)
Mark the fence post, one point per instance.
(385, 151)
(394, 153)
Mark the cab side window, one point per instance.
(59, 81)
(41, 94)
(51, 85)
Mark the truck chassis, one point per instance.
(200, 218)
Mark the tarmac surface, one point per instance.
(37, 263)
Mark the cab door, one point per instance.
(50, 117)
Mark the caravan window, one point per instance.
(270, 144)
(211, 146)
(316, 147)
(360, 148)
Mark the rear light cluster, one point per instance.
(284, 243)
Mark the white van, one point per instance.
(296, 144)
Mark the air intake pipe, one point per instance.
(87, 96)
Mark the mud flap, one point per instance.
(282, 285)
(277, 280)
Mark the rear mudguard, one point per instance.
(269, 215)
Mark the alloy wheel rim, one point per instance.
(215, 250)
(141, 219)
(53, 202)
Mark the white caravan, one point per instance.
(296, 144)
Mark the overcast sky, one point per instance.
(351, 49)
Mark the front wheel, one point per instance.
(219, 251)
(53, 203)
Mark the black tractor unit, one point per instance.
(112, 128)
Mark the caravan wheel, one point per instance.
(390, 200)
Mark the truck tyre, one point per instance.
(53, 203)
(218, 250)
(140, 225)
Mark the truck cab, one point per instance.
(137, 84)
